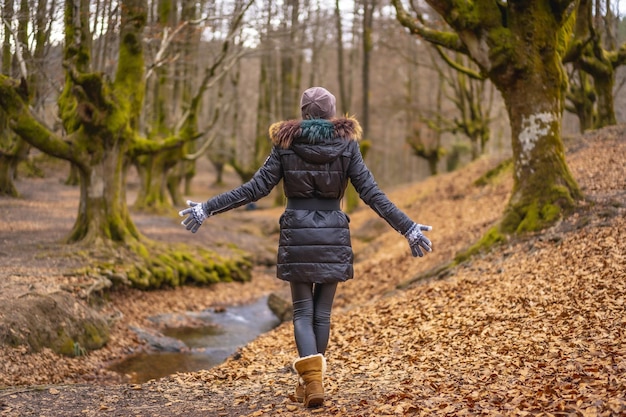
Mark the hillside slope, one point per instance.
(536, 326)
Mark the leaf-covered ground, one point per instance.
(535, 327)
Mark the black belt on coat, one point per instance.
(313, 204)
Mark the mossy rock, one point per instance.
(152, 265)
(57, 321)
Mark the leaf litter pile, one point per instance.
(536, 326)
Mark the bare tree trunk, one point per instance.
(368, 26)
(290, 61)
(7, 54)
(422, 143)
(266, 109)
(343, 94)
(365, 35)
(184, 79)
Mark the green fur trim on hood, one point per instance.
(284, 133)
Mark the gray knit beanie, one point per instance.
(317, 103)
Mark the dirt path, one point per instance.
(536, 326)
(33, 260)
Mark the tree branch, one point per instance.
(448, 40)
(25, 124)
(618, 58)
(143, 146)
(18, 50)
(457, 66)
(207, 143)
(165, 43)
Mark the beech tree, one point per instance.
(185, 66)
(472, 97)
(281, 45)
(424, 139)
(595, 55)
(101, 119)
(26, 58)
(519, 46)
(345, 82)
(267, 106)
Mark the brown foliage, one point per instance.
(535, 327)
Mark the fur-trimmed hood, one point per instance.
(283, 134)
(316, 140)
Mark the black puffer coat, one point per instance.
(315, 159)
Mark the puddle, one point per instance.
(213, 338)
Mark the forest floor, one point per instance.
(537, 326)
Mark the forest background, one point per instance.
(145, 90)
(252, 60)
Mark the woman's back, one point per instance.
(315, 155)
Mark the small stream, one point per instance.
(213, 337)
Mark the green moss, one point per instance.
(550, 213)
(491, 238)
(142, 251)
(501, 41)
(67, 109)
(29, 169)
(66, 346)
(538, 211)
(94, 337)
(152, 265)
(530, 220)
(492, 174)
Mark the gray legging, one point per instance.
(312, 304)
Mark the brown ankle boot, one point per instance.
(298, 395)
(311, 370)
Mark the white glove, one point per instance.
(197, 215)
(417, 241)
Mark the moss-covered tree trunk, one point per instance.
(166, 167)
(102, 213)
(519, 45)
(103, 121)
(543, 185)
(7, 186)
(604, 80)
(594, 50)
(10, 160)
(8, 141)
(97, 154)
(153, 167)
(432, 155)
(533, 87)
(153, 173)
(581, 99)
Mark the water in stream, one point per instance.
(208, 345)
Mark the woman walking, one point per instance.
(315, 157)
